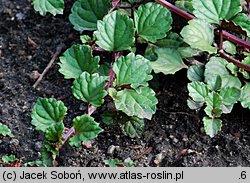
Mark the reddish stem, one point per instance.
(221, 40)
(90, 108)
(234, 39)
(67, 135)
(222, 33)
(111, 72)
(176, 10)
(234, 61)
(188, 16)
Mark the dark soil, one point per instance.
(174, 137)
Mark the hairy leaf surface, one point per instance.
(55, 132)
(212, 126)
(217, 67)
(115, 32)
(46, 112)
(243, 21)
(134, 127)
(169, 61)
(199, 34)
(132, 69)
(230, 95)
(196, 73)
(185, 5)
(52, 6)
(214, 105)
(213, 11)
(198, 91)
(85, 128)
(85, 13)
(140, 102)
(152, 21)
(172, 40)
(90, 88)
(76, 60)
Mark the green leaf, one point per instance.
(85, 128)
(194, 105)
(243, 21)
(214, 105)
(9, 159)
(245, 96)
(47, 111)
(55, 132)
(198, 91)
(134, 127)
(185, 5)
(196, 73)
(215, 83)
(109, 118)
(112, 162)
(187, 52)
(85, 39)
(52, 6)
(85, 13)
(115, 32)
(245, 73)
(226, 109)
(132, 69)
(213, 11)
(217, 67)
(5, 131)
(51, 148)
(230, 95)
(104, 69)
(200, 35)
(212, 126)
(229, 47)
(232, 68)
(90, 88)
(35, 164)
(112, 92)
(76, 60)
(173, 40)
(140, 102)
(150, 53)
(169, 61)
(46, 156)
(152, 21)
(115, 117)
(134, 1)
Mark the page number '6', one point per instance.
(243, 175)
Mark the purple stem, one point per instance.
(222, 33)
(90, 108)
(188, 16)
(234, 61)
(67, 135)
(221, 40)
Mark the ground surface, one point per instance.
(173, 138)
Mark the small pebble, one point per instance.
(175, 140)
(111, 149)
(158, 158)
(29, 57)
(1, 75)
(20, 16)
